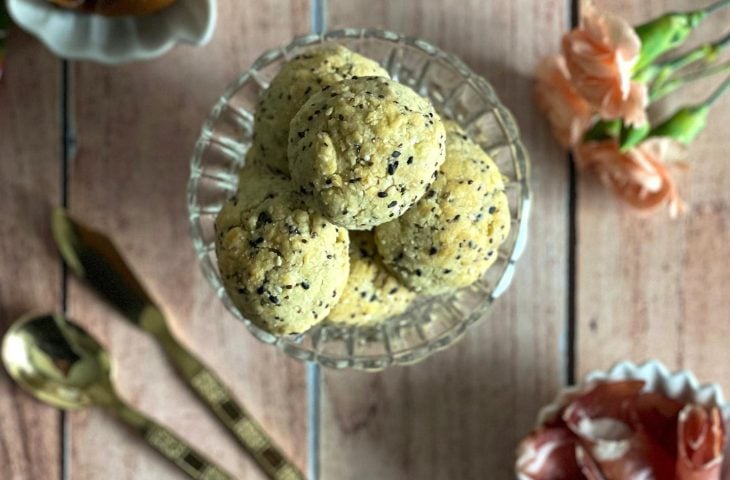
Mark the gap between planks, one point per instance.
(318, 24)
(67, 150)
(573, 8)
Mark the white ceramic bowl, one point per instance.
(114, 40)
(681, 385)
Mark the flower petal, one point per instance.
(640, 176)
(600, 55)
(568, 113)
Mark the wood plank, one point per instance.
(655, 287)
(136, 128)
(460, 413)
(30, 273)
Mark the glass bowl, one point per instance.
(430, 324)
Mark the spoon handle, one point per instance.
(189, 460)
(247, 431)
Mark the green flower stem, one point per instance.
(661, 71)
(661, 90)
(719, 92)
(663, 34)
(602, 130)
(632, 135)
(717, 6)
(669, 31)
(688, 122)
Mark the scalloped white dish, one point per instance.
(680, 385)
(115, 40)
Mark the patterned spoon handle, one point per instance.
(247, 431)
(169, 445)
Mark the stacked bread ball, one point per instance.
(356, 197)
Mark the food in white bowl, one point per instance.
(118, 36)
(634, 422)
(115, 7)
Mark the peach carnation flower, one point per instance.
(641, 176)
(599, 55)
(568, 113)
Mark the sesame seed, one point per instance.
(382, 194)
(263, 219)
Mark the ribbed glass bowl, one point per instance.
(430, 324)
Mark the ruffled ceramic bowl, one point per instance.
(430, 324)
(113, 40)
(682, 386)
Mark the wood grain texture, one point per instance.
(30, 273)
(460, 413)
(136, 126)
(655, 287)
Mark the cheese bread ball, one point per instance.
(450, 237)
(283, 265)
(365, 150)
(371, 294)
(300, 78)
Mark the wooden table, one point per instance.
(596, 285)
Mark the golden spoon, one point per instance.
(59, 363)
(91, 255)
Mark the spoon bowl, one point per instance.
(56, 361)
(61, 364)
